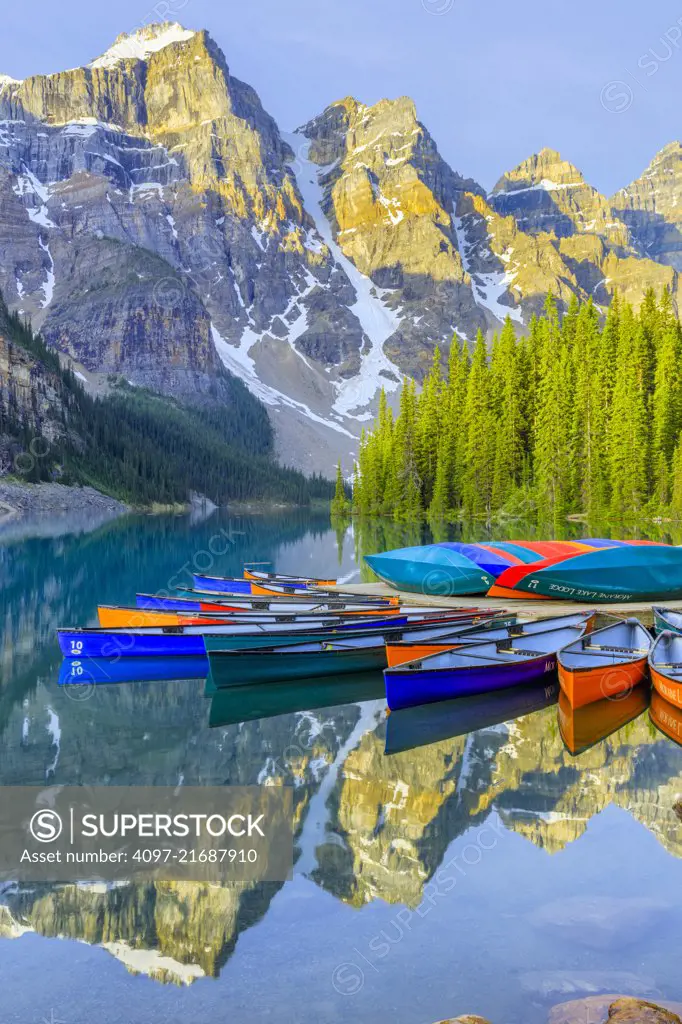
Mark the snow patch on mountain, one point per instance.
(141, 44)
(237, 360)
(377, 320)
(488, 287)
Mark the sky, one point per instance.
(599, 80)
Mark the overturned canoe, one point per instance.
(630, 572)
(582, 728)
(502, 628)
(434, 569)
(478, 669)
(607, 664)
(665, 666)
(424, 724)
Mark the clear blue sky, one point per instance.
(493, 81)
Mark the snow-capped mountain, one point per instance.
(156, 224)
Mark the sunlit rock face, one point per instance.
(155, 223)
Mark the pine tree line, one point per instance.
(144, 448)
(580, 416)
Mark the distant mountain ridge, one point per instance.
(156, 224)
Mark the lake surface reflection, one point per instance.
(493, 856)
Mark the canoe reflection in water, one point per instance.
(420, 726)
(100, 671)
(268, 700)
(582, 728)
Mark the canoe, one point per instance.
(398, 653)
(175, 641)
(478, 669)
(171, 641)
(606, 664)
(582, 728)
(133, 618)
(427, 723)
(667, 619)
(650, 572)
(666, 717)
(194, 603)
(665, 666)
(222, 584)
(217, 641)
(269, 700)
(110, 617)
(289, 594)
(255, 575)
(431, 569)
(309, 660)
(100, 671)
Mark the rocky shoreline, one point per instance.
(598, 1010)
(21, 499)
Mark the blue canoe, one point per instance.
(436, 569)
(222, 584)
(468, 671)
(184, 641)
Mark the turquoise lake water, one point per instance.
(480, 868)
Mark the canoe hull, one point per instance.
(624, 574)
(262, 667)
(611, 682)
(126, 644)
(431, 570)
(668, 689)
(222, 585)
(406, 690)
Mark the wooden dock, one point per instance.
(531, 609)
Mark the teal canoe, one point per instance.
(620, 574)
(432, 569)
(268, 700)
(667, 620)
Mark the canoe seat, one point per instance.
(612, 648)
(523, 654)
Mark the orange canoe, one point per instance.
(136, 618)
(665, 665)
(606, 664)
(581, 728)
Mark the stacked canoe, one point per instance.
(593, 570)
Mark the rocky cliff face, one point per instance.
(155, 223)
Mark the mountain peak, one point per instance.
(141, 44)
(7, 80)
(544, 170)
